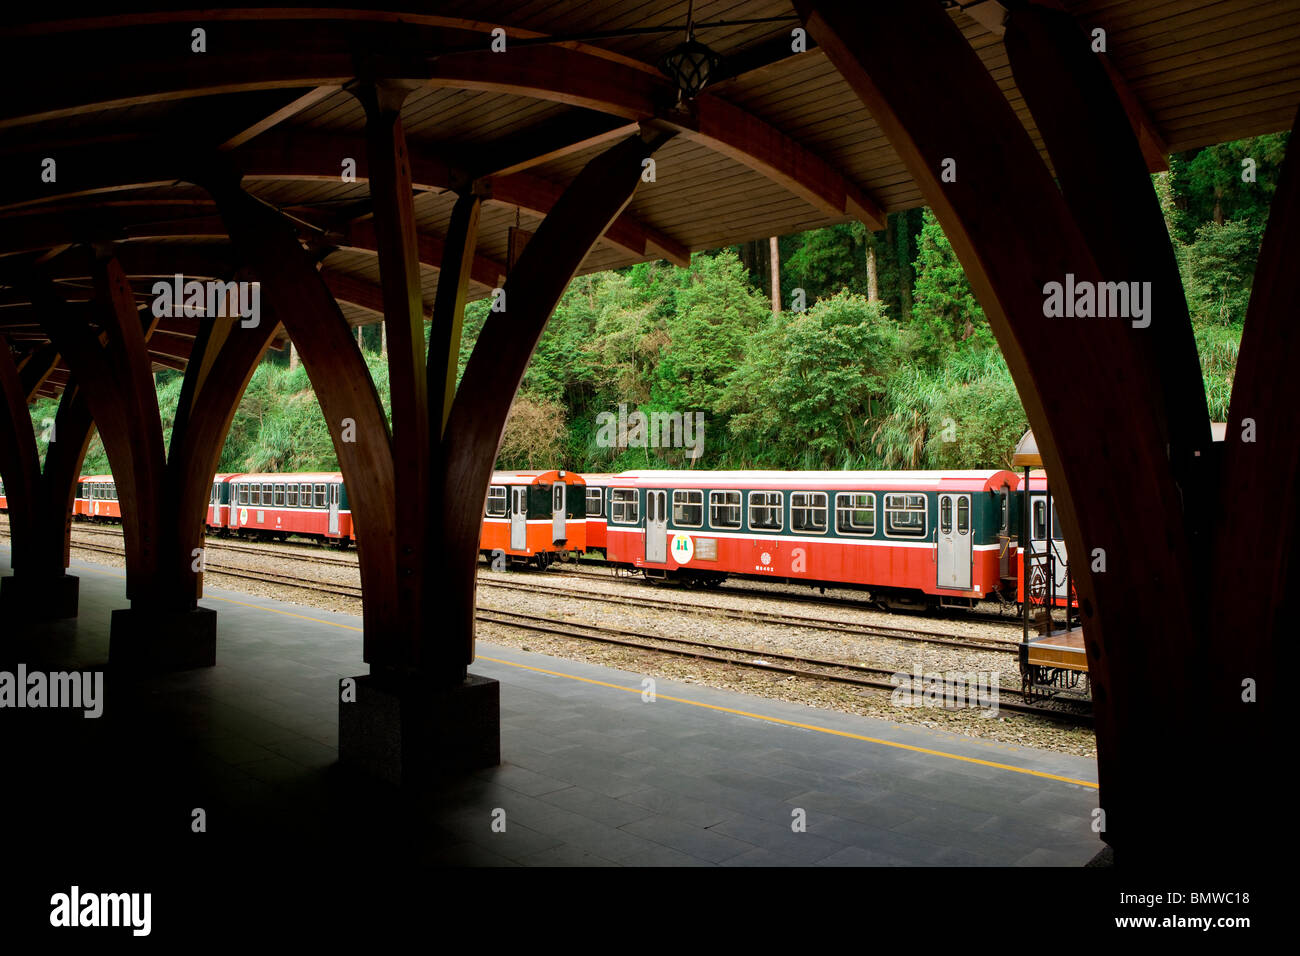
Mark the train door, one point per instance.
(656, 527)
(558, 532)
(518, 517)
(334, 507)
(954, 542)
(1039, 524)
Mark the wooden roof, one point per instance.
(779, 144)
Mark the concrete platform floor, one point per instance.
(591, 773)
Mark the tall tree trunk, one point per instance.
(361, 342)
(383, 339)
(293, 356)
(873, 290)
(776, 275)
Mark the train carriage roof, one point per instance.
(297, 476)
(986, 480)
(537, 477)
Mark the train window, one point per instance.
(623, 507)
(808, 511)
(765, 510)
(905, 516)
(114, 487)
(291, 496)
(1057, 534)
(304, 495)
(595, 502)
(963, 515)
(320, 496)
(496, 501)
(855, 513)
(724, 509)
(279, 496)
(1040, 519)
(945, 514)
(688, 509)
(1006, 510)
(267, 495)
(557, 497)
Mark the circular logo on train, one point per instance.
(243, 516)
(683, 548)
(765, 557)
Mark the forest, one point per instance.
(873, 352)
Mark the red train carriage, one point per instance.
(312, 505)
(97, 499)
(597, 509)
(534, 516)
(911, 538)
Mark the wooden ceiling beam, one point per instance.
(129, 70)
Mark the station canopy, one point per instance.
(777, 142)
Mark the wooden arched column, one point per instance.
(163, 500)
(478, 415)
(1120, 419)
(1255, 556)
(116, 376)
(268, 244)
(417, 510)
(40, 500)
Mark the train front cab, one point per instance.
(534, 517)
(97, 498)
(219, 503)
(1052, 653)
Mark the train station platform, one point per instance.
(592, 772)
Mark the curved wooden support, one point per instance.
(487, 389)
(19, 461)
(226, 356)
(449, 309)
(392, 199)
(117, 379)
(1104, 179)
(296, 293)
(37, 369)
(73, 429)
(1013, 233)
(1255, 570)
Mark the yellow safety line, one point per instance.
(717, 707)
(795, 723)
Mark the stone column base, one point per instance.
(415, 731)
(163, 640)
(40, 597)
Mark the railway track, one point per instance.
(891, 632)
(555, 587)
(574, 569)
(841, 672)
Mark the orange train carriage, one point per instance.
(534, 517)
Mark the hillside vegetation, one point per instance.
(890, 362)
